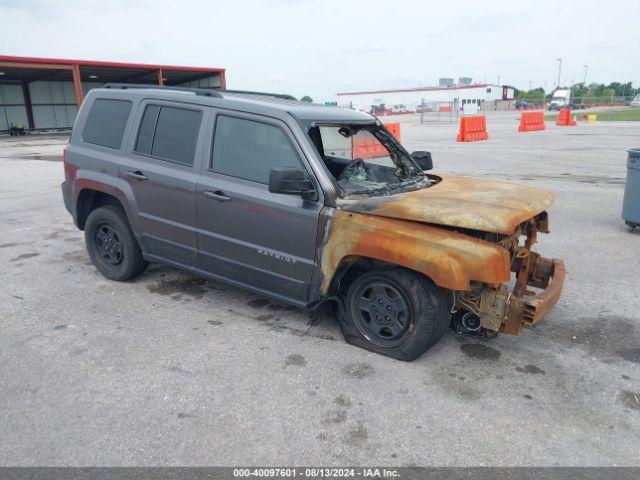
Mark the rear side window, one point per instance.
(106, 122)
(247, 149)
(169, 133)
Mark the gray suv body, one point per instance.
(308, 205)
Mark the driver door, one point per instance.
(246, 234)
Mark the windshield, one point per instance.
(366, 159)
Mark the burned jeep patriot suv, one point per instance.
(309, 205)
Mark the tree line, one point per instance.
(592, 93)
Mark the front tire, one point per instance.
(111, 244)
(395, 312)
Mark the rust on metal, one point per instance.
(466, 235)
(451, 259)
(508, 311)
(460, 202)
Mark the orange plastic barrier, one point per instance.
(473, 129)
(564, 118)
(371, 147)
(444, 108)
(531, 121)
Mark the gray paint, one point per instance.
(262, 241)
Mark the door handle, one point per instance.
(138, 175)
(217, 195)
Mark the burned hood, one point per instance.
(463, 202)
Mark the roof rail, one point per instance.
(283, 96)
(132, 86)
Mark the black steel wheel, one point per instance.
(395, 312)
(108, 244)
(382, 312)
(111, 244)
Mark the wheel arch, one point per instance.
(90, 199)
(449, 259)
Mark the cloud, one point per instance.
(319, 48)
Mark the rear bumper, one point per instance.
(529, 308)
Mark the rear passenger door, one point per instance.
(161, 172)
(246, 234)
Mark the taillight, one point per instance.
(69, 170)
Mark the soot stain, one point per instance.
(358, 370)
(7, 245)
(532, 369)
(258, 303)
(59, 327)
(527, 396)
(214, 322)
(275, 326)
(605, 337)
(357, 435)
(182, 415)
(630, 399)
(336, 416)
(24, 255)
(193, 286)
(264, 317)
(295, 359)
(480, 351)
(342, 401)
(630, 355)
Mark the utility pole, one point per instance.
(559, 60)
(586, 67)
(529, 85)
(498, 80)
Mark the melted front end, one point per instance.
(534, 290)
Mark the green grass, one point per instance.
(626, 114)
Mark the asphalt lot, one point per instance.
(173, 369)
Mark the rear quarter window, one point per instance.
(106, 122)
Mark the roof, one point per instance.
(423, 89)
(39, 68)
(302, 111)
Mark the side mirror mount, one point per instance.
(423, 159)
(291, 181)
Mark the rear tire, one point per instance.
(395, 312)
(111, 244)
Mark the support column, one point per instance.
(27, 103)
(223, 80)
(77, 84)
(160, 80)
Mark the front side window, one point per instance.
(169, 133)
(249, 150)
(106, 122)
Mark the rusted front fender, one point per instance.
(449, 258)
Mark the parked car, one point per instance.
(635, 102)
(238, 187)
(399, 109)
(424, 108)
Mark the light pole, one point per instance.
(498, 80)
(529, 85)
(559, 60)
(586, 67)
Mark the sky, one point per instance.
(319, 48)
